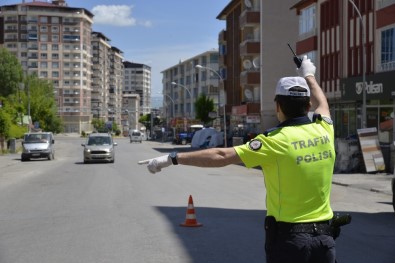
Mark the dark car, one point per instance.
(183, 138)
(186, 136)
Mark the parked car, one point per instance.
(38, 145)
(99, 147)
(136, 136)
(186, 136)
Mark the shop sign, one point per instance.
(240, 110)
(377, 86)
(253, 119)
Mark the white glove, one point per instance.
(307, 68)
(155, 165)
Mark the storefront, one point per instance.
(347, 116)
(380, 94)
(245, 121)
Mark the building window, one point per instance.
(388, 45)
(44, 38)
(307, 20)
(43, 19)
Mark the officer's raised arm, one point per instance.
(318, 99)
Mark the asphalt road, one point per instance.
(67, 211)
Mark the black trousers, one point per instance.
(301, 248)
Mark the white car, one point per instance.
(38, 145)
(136, 136)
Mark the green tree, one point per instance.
(43, 107)
(203, 106)
(5, 124)
(146, 121)
(98, 124)
(11, 73)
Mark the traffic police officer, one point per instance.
(297, 159)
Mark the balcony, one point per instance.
(222, 36)
(249, 18)
(222, 60)
(250, 47)
(250, 78)
(389, 66)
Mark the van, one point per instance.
(38, 145)
(135, 136)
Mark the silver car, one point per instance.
(99, 147)
(38, 145)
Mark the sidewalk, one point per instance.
(380, 182)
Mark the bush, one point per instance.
(83, 134)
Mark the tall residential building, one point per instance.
(115, 85)
(137, 80)
(100, 75)
(253, 56)
(182, 85)
(53, 41)
(354, 50)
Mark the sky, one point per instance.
(157, 33)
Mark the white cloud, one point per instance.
(115, 15)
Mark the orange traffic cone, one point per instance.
(190, 220)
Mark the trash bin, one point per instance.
(237, 141)
(386, 151)
(12, 147)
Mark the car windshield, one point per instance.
(34, 138)
(99, 140)
(136, 134)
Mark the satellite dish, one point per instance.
(256, 62)
(247, 64)
(248, 3)
(248, 94)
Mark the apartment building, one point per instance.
(115, 85)
(184, 82)
(353, 45)
(100, 94)
(253, 56)
(137, 80)
(53, 41)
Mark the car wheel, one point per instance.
(50, 157)
(85, 161)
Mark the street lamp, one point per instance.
(190, 95)
(221, 79)
(172, 102)
(22, 86)
(363, 64)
